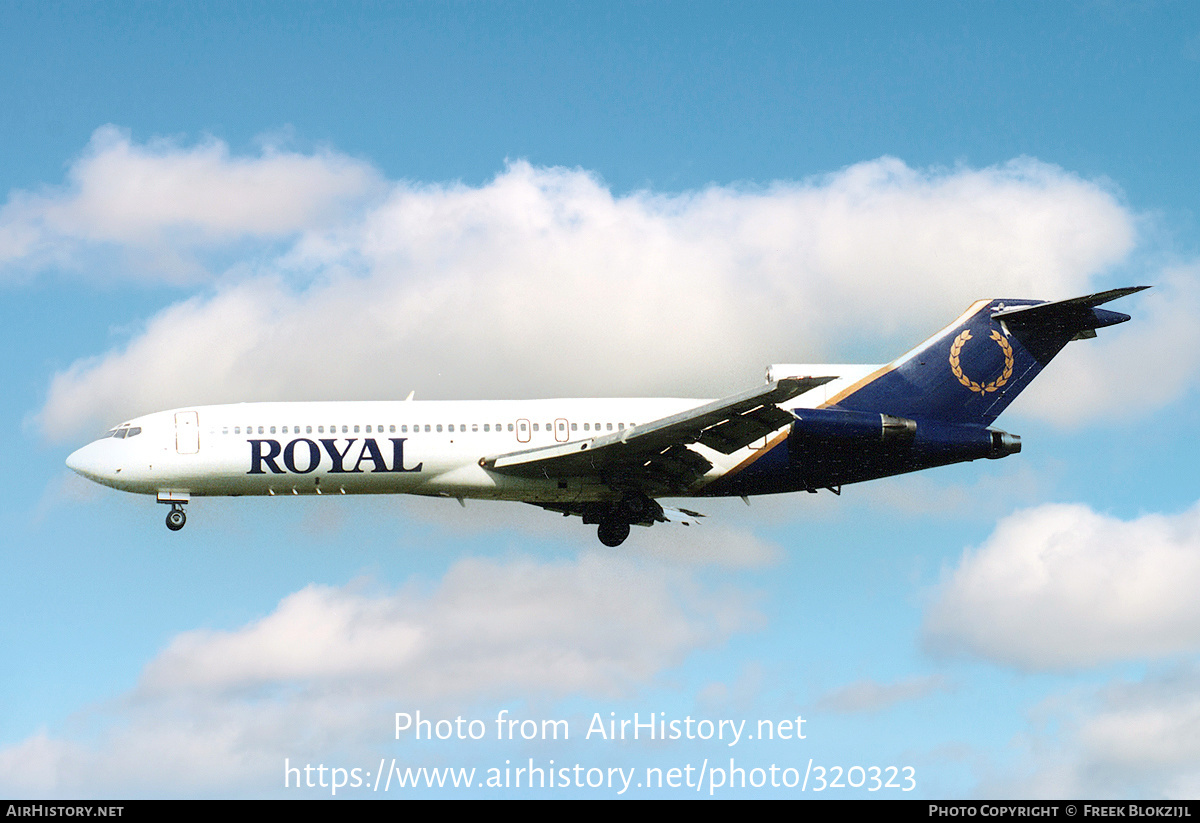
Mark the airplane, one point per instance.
(609, 461)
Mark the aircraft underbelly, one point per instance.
(433, 475)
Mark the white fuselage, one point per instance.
(378, 447)
(430, 447)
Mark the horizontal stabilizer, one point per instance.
(1077, 313)
(972, 370)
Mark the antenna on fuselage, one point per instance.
(410, 395)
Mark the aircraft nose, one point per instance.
(87, 462)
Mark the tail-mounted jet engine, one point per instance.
(831, 447)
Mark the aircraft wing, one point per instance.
(655, 456)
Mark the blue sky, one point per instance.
(280, 201)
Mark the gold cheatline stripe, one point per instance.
(775, 441)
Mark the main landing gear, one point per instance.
(614, 519)
(176, 519)
(613, 531)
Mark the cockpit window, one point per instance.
(135, 431)
(120, 433)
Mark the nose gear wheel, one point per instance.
(176, 519)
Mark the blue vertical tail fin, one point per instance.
(970, 371)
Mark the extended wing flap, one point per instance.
(675, 466)
(656, 452)
(739, 432)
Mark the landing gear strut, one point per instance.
(176, 519)
(613, 531)
(614, 519)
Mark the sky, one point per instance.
(288, 201)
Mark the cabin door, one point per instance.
(187, 432)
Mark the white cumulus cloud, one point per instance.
(488, 627)
(544, 282)
(156, 202)
(1061, 586)
(1126, 739)
(217, 711)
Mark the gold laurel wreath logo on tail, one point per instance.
(982, 388)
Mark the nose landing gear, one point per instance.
(176, 519)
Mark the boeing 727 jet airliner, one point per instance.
(610, 461)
